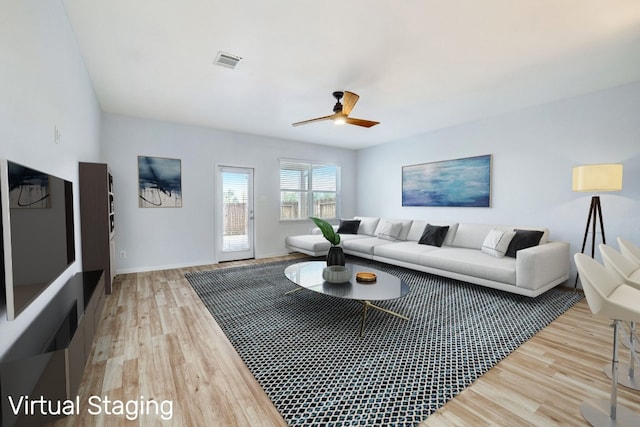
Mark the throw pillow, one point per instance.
(390, 230)
(497, 242)
(522, 240)
(368, 225)
(434, 235)
(348, 226)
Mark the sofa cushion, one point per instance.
(309, 242)
(367, 225)
(348, 226)
(348, 237)
(471, 262)
(523, 239)
(497, 242)
(472, 236)
(406, 225)
(389, 230)
(316, 243)
(365, 245)
(433, 235)
(408, 251)
(418, 226)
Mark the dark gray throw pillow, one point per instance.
(434, 235)
(522, 240)
(348, 226)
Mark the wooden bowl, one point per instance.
(366, 277)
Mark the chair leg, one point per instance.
(602, 412)
(626, 372)
(613, 402)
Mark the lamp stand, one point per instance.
(595, 213)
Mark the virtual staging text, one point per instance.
(96, 405)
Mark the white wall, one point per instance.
(44, 83)
(533, 152)
(158, 238)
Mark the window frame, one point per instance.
(310, 166)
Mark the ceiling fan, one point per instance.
(341, 112)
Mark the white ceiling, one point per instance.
(418, 65)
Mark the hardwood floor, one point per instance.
(157, 342)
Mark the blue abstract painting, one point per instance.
(159, 182)
(460, 182)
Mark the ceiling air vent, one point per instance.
(227, 60)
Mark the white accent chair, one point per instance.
(629, 250)
(628, 272)
(624, 267)
(608, 297)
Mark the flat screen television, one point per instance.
(38, 242)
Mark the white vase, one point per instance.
(336, 274)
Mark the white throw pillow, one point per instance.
(367, 224)
(497, 242)
(390, 230)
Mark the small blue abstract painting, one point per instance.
(460, 182)
(159, 182)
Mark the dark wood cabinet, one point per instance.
(47, 361)
(97, 215)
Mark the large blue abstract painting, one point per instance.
(159, 182)
(460, 182)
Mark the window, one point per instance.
(308, 189)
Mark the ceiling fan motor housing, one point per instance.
(338, 96)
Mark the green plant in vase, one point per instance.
(335, 255)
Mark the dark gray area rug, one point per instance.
(306, 352)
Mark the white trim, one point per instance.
(164, 267)
(6, 238)
(220, 254)
(310, 191)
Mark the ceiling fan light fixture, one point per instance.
(341, 112)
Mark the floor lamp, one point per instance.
(595, 179)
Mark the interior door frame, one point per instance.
(221, 254)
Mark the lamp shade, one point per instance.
(594, 178)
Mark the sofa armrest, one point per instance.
(540, 265)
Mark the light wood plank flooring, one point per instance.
(157, 340)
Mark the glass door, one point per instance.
(235, 214)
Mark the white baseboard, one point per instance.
(187, 265)
(163, 267)
(278, 254)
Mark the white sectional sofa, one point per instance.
(531, 272)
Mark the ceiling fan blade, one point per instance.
(348, 102)
(361, 122)
(319, 119)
